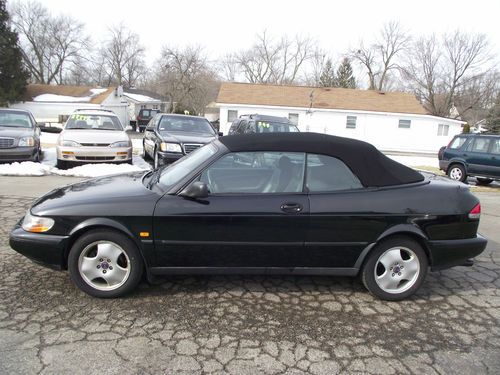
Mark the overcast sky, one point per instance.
(223, 26)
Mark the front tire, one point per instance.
(457, 172)
(61, 164)
(395, 269)
(105, 264)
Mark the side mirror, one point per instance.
(148, 129)
(220, 134)
(128, 128)
(196, 190)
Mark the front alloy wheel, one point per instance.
(104, 263)
(395, 269)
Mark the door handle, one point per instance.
(464, 155)
(291, 207)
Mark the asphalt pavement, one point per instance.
(245, 324)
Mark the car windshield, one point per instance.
(13, 119)
(185, 124)
(94, 122)
(181, 168)
(275, 127)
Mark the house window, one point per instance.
(404, 124)
(294, 118)
(232, 115)
(351, 122)
(443, 129)
(155, 106)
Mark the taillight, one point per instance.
(475, 213)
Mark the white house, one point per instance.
(141, 99)
(392, 121)
(53, 103)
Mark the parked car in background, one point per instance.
(169, 137)
(249, 124)
(19, 136)
(475, 155)
(283, 203)
(144, 116)
(93, 136)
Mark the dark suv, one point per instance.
(144, 116)
(476, 155)
(246, 124)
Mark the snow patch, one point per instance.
(68, 99)
(141, 98)
(47, 167)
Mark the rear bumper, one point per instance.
(443, 165)
(45, 249)
(17, 154)
(450, 253)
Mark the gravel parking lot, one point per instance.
(246, 325)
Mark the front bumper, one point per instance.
(169, 157)
(450, 253)
(17, 153)
(45, 249)
(87, 154)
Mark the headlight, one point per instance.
(27, 141)
(37, 224)
(70, 144)
(170, 147)
(120, 144)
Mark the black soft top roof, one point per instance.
(373, 168)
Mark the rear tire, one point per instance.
(105, 264)
(395, 269)
(484, 181)
(457, 172)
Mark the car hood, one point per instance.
(16, 132)
(180, 137)
(120, 195)
(93, 136)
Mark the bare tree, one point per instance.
(380, 57)
(278, 61)
(451, 72)
(122, 56)
(50, 44)
(186, 78)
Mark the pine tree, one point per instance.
(327, 78)
(493, 118)
(13, 75)
(344, 77)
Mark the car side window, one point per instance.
(241, 127)
(233, 126)
(457, 142)
(495, 147)
(256, 173)
(326, 173)
(250, 127)
(481, 144)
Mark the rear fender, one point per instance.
(401, 229)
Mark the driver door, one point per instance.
(255, 216)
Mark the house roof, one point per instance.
(322, 97)
(143, 95)
(66, 94)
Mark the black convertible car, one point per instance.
(283, 203)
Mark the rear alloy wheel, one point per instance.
(484, 181)
(457, 172)
(395, 269)
(105, 263)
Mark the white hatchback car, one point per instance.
(93, 136)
